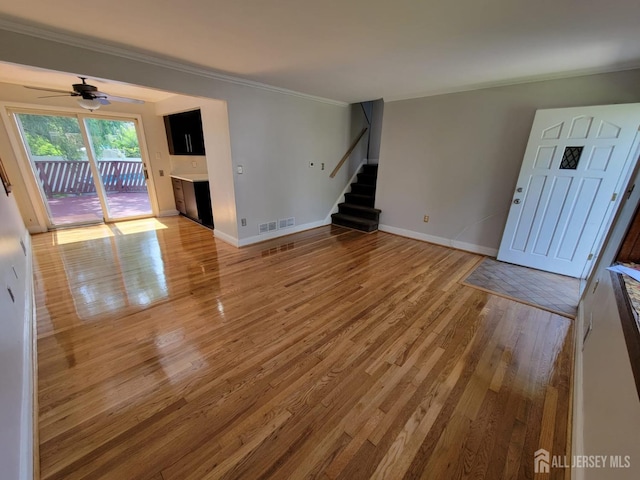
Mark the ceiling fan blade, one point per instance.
(56, 96)
(49, 90)
(113, 98)
(103, 101)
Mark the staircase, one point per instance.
(357, 210)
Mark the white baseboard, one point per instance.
(27, 422)
(168, 213)
(243, 242)
(340, 199)
(469, 247)
(225, 238)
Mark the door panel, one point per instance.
(58, 158)
(574, 162)
(115, 147)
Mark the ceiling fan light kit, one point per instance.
(89, 97)
(90, 104)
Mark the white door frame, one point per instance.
(7, 111)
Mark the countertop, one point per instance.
(191, 177)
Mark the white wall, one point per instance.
(16, 389)
(607, 406)
(274, 135)
(457, 157)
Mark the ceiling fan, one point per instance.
(89, 96)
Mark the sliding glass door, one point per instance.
(88, 169)
(116, 149)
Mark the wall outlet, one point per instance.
(194, 164)
(426, 219)
(322, 166)
(161, 172)
(243, 222)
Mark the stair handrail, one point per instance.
(348, 154)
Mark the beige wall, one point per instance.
(457, 157)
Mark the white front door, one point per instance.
(569, 182)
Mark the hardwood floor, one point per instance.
(166, 354)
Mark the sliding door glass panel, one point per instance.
(59, 159)
(117, 152)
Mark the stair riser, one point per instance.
(367, 202)
(363, 189)
(363, 228)
(370, 169)
(359, 213)
(365, 179)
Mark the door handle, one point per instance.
(517, 201)
(186, 141)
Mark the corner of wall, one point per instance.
(445, 242)
(226, 238)
(29, 463)
(577, 433)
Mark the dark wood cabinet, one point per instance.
(193, 200)
(184, 133)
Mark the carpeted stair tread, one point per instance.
(359, 223)
(360, 207)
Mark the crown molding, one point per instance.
(138, 56)
(517, 81)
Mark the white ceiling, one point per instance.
(354, 50)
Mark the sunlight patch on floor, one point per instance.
(82, 234)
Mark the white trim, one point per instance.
(37, 229)
(509, 82)
(577, 434)
(469, 247)
(87, 43)
(225, 238)
(334, 208)
(168, 213)
(27, 422)
(243, 242)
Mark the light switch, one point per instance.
(240, 170)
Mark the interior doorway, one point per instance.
(88, 169)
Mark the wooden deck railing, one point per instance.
(62, 177)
